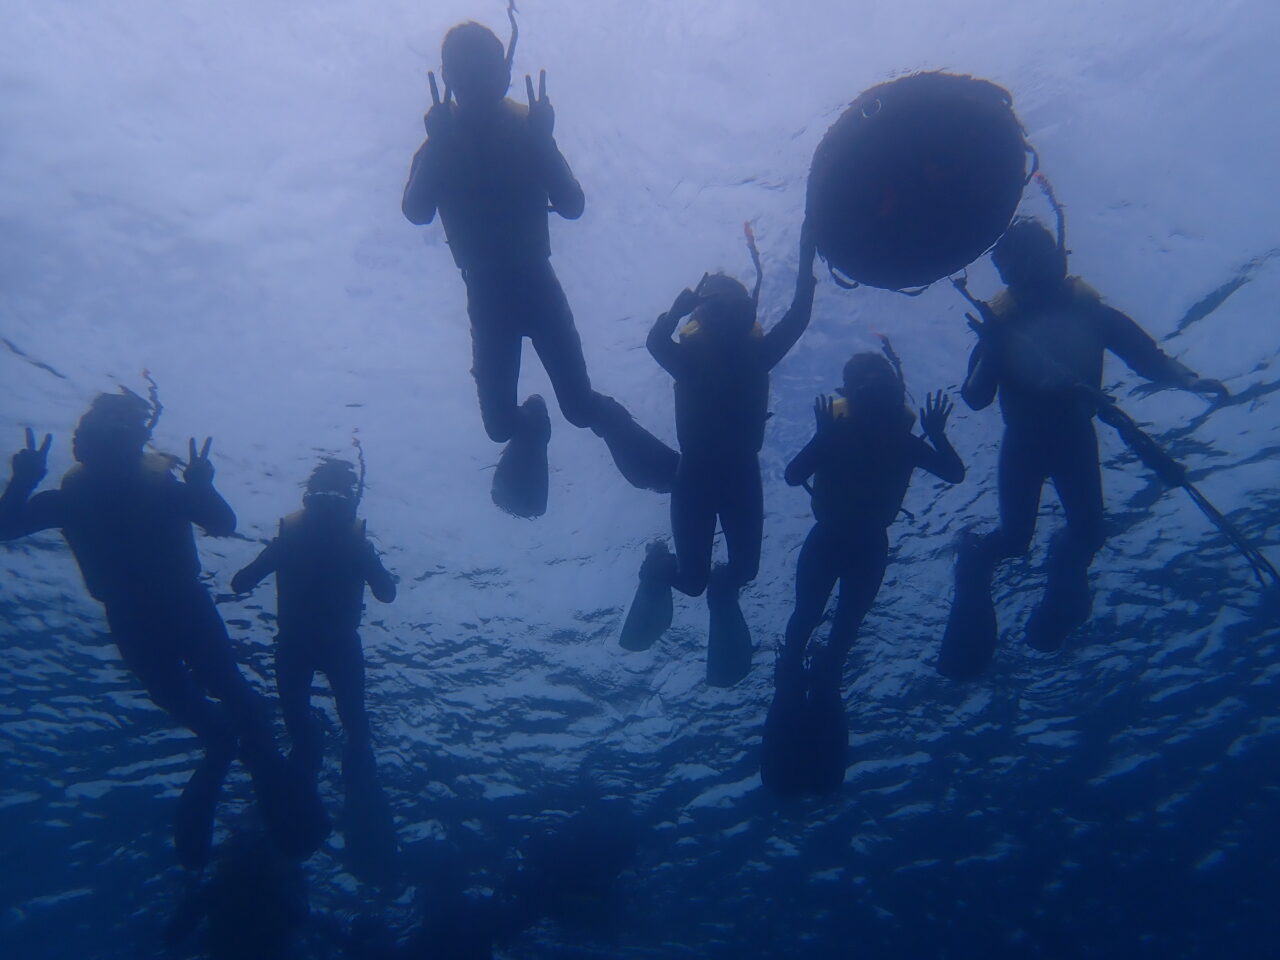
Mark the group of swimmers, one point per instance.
(491, 169)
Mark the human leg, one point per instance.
(693, 524)
(969, 641)
(157, 665)
(643, 460)
(1067, 599)
(289, 802)
(295, 668)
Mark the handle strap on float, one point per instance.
(1143, 445)
(153, 397)
(755, 260)
(355, 442)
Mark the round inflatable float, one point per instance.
(916, 179)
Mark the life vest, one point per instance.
(916, 179)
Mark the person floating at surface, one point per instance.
(491, 167)
(322, 559)
(1041, 348)
(721, 369)
(861, 458)
(128, 521)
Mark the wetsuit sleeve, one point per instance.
(380, 581)
(663, 349)
(805, 463)
(1134, 346)
(422, 192)
(204, 506)
(983, 378)
(22, 514)
(785, 333)
(263, 565)
(939, 458)
(563, 190)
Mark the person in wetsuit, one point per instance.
(1041, 348)
(721, 368)
(861, 459)
(127, 520)
(322, 559)
(491, 168)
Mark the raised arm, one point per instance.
(422, 192)
(20, 513)
(937, 456)
(983, 378)
(805, 463)
(203, 505)
(779, 341)
(381, 583)
(563, 190)
(1138, 350)
(663, 349)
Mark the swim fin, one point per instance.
(969, 642)
(729, 639)
(1068, 600)
(198, 804)
(783, 767)
(827, 733)
(370, 848)
(651, 609)
(520, 481)
(644, 461)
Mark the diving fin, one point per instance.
(370, 848)
(827, 734)
(644, 461)
(651, 609)
(520, 481)
(1067, 601)
(197, 806)
(969, 642)
(729, 639)
(783, 767)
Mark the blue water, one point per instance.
(212, 193)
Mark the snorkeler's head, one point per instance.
(871, 384)
(1029, 259)
(727, 311)
(331, 489)
(113, 431)
(474, 65)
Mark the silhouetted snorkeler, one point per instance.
(128, 520)
(861, 458)
(721, 369)
(492, 168)
(253, 906)
(1041, 345)
(322, 559)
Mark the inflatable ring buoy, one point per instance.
(916, 179)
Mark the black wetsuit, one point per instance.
(1036, 358)
(861, 473)
(321, 567)
(493, 183)
(722, 403)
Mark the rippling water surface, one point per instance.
(212, 193)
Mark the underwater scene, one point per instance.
(887, 620)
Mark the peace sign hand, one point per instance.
(439, 119)
(937, 408)
(542, 118)
(30, 463)
(199, 470)
(824, 415)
